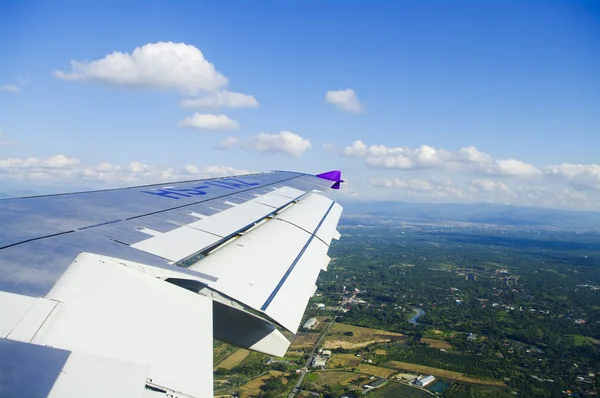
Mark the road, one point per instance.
(310, 357)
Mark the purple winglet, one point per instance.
(333, 175)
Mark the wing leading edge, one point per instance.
(125, 300)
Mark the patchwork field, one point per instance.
(333, 377)
(222, 351)
(440, 373)
(293, 354)
(343, 360)
(252, 388)
(339, 336)
(435, 343)
(375, 370)
(304, 340)
(233, 359)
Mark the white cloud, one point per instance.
(10, 88)
(209, 122)
(509, 168)
(488, 186)
(358, 148)
(284, 142)
(161, 66)
(59, 161)
(345, 100)
(397, 157)
(465, 159)
(228, 143)
(225, 99)
(579, 176)
(61, 168)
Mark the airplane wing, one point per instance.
(120, 292)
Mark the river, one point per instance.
(415, 317)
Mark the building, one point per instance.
(319, 362)
(310, 324)
(320, 306)
(376, 384)
(425, 381)
(326, 353)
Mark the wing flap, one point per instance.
(273, 268)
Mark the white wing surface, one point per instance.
(120, 292)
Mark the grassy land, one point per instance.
(304, 340)
(435, 343)
(234, 359)
(440, 373)
(343, 360)
(252, 388)
(375, 370)
(220, 352)
(338, 336)
(333, 377)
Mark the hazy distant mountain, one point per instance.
(477, 213)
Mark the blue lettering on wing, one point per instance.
(178, 193)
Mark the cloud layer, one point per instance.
(61, 168)
(485, 190)
(345, 100)
(426, 157)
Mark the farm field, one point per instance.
(435, 343)
(332, 377)
(361, 336)
(220, 352)
(304, 340)
(343, 360)
(375, 370)
(440, 373)
(233, 359)
(394, 390)
(252, 388)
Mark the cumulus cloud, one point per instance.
(209, 122)
(397, 157)
(10, 88)
(465, 159)
(345, 100)
(284, 142)
(579, 176)
(221, 99)
(70, 170)
(160, 66)
(358, 148)
(509, 168)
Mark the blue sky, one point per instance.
(516, 80)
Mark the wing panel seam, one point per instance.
(291, 268)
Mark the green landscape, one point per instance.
(508, 310)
